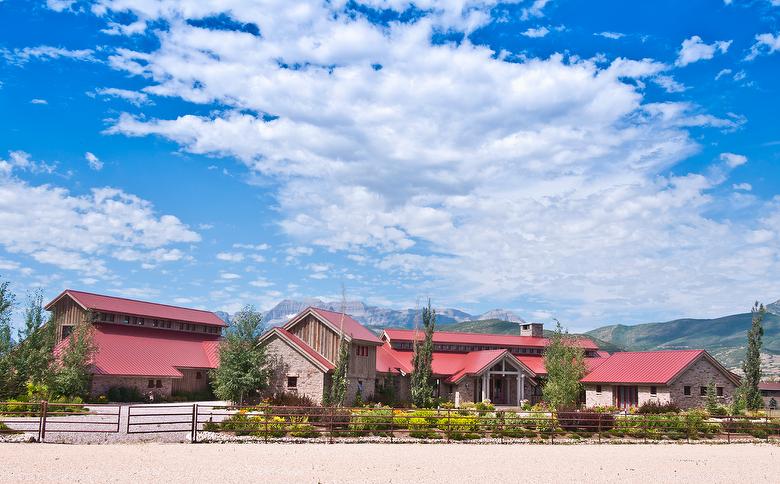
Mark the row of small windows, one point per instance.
(703, 391)
(516, 350)
(157, 323)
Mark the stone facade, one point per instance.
(310, 380)
(594, 398)
(698, 375)
(101, 384)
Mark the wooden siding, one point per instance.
(319, 336)
(363, 367)
(190, 382)
(67, 313)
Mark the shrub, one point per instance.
(125, 395)
(460, 427)
(242, 424)
(420, 428)
(655, 408)
(374, 420)
(300, 427)
(5, 430)
(289, 399)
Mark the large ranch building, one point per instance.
(161, 350)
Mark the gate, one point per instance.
(155, 419)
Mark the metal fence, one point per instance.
(275, 423)
(41, 418)
(206, 422)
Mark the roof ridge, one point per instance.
(137, 300)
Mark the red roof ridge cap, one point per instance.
(69, 291)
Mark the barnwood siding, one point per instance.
(324, 340)
(189, 383)
(67, 313)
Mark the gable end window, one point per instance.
(598, 389)
(151, 384)
(719, 390)
(292, 382)
(702, 391)
(654, 391)
(686, 390)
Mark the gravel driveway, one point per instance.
(418, 463)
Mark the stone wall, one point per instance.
(662, 395)
(101, 384)
(311, 380)
(700, 374)
(595, 399)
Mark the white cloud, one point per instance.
(230, 256)
(669, 84)
(46, 52)
(38, 101)
(94, 161)
(261, 282)
(229, 276)
(80, 232)
(536, 32)
(733, 160)
(722, 72)
(742, 186)
(136, 98)
(694, 50)
(535, 10)
(60, 5)
(252, 246)
(766, 44)
(545, 178)
(611, 35)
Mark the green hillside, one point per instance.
(497, 326)
(724, 337)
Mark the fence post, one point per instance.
(728, 430)
(449, 428)
(502, 426)
(330, 425)
(194, 423)
(42, 421)
(265, 421)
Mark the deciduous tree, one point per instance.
(565, 365)
(73, 376)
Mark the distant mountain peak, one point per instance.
(774, 308)
(502, 315)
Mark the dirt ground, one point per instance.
(418, 463)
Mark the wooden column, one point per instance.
(522, 386)
(519, 388)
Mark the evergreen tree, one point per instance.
(242, 370)
(749, 391)
(712, 399)
(338, 386)
(73, 376)
(422, 361)
(33, 357)
(565, 364)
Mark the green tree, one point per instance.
(33, 356)
(242, 370)
(565, 364)
(73, 376)
(711, 403)
(338, 385)
(752, 365)
(422, 362)
(7, 301)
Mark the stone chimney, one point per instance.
(532, 329)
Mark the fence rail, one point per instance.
(268, 423)
(274, 423)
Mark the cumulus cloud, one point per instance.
(536, 32)
(133, 97)
(765, 44)
(59, 5)
(94, 161)
(611, 35)
(80, 232)
(694, 50)
(39, 101)
(230, 256)
(547, 179)
(46, 52)
(742, 186)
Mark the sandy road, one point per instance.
(418, 463)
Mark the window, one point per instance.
(686, 390)
(598, 389)
(141, 321)
(151, 384)
(168, 324)
(198, 375)
(719, 390)
(158, 384)
(66, 331)
(653, 391)
(126, 319)
(292, 382)
(702, 391)
(361, 350)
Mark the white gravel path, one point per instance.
(418, 463)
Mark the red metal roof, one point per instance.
(113, 304)
(642, 366)
(534, 363)
(351, 327)
(134, 351)
(387, 362)
(304, 347)
(770, 386)
(503, 340)
(475, 362)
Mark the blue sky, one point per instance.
(598, 162)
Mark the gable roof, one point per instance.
(299, 345)
(476, 362)
(133, 307)
(352, 329)
(387, 362)
(134, 351)
(649, 367)
(502, 340)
